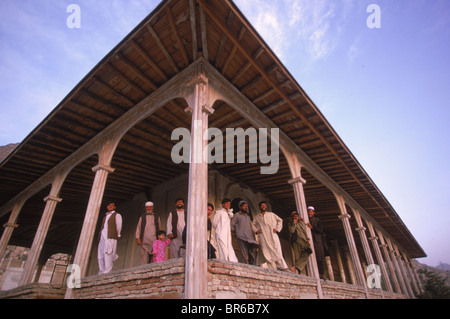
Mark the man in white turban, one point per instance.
(146, 230)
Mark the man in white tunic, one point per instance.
(146, 230)
(175, 226)
(109, 233)
(221, 224)
(267, 225)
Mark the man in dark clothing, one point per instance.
(317, 233)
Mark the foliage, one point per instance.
(434, 285)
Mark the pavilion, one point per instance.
(194, 64)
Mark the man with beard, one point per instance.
(241, 225)
(268, 225)
(146, 230)
(221, 224)
(317, 233)
(175, 226)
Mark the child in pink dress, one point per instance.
(159, 247)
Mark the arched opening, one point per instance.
(239, 171)
(144, 171)
(21, 240)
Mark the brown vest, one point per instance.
(144, 222)
(112, 227)
(175, 223)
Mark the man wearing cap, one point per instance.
(221, 224)
(317, 232)
(241, 226)
(146, 230)
(268, 225)
(109, 234)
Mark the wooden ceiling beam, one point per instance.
(177, 37)
(163, 49)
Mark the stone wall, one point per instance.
(163, 280)
(226, 280)
(230, 280)
(35, 291)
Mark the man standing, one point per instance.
(221, 224)
(211, 233)
(241, 225)
(299, 242)
(146, 230)
(267, 224)
(175, 226)
(317, 232)
(109, 233)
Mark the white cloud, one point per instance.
(267, 18)
(354, 51)
(314, 26)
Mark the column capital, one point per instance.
(360, 229)
(297, 180)
(52, 198)
(383, 245)
(373, 238)
(12, 225)
(199, 78)
(207, 109)
(344, 216)
(98, 167)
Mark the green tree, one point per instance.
(435, 287)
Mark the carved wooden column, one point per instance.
(297, 183)
(196, 254)
(410, 267)
(9, 227)
(344, 217)
(387, 257)
(376, 248)
(362, 234)
(86, 238)
(396, 265)
(339, 261)
(51, 201)
(403, 271)
(350, 265)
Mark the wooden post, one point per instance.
(196, 246)
(51, 201)
(9, 227)
(376, 248)
(90, 221)
(387, 257)
(297, 183)
(351, 241)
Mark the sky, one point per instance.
(378, 70)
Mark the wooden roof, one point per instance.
(174, 35)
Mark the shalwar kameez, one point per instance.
(270, 254)
(221, 224)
